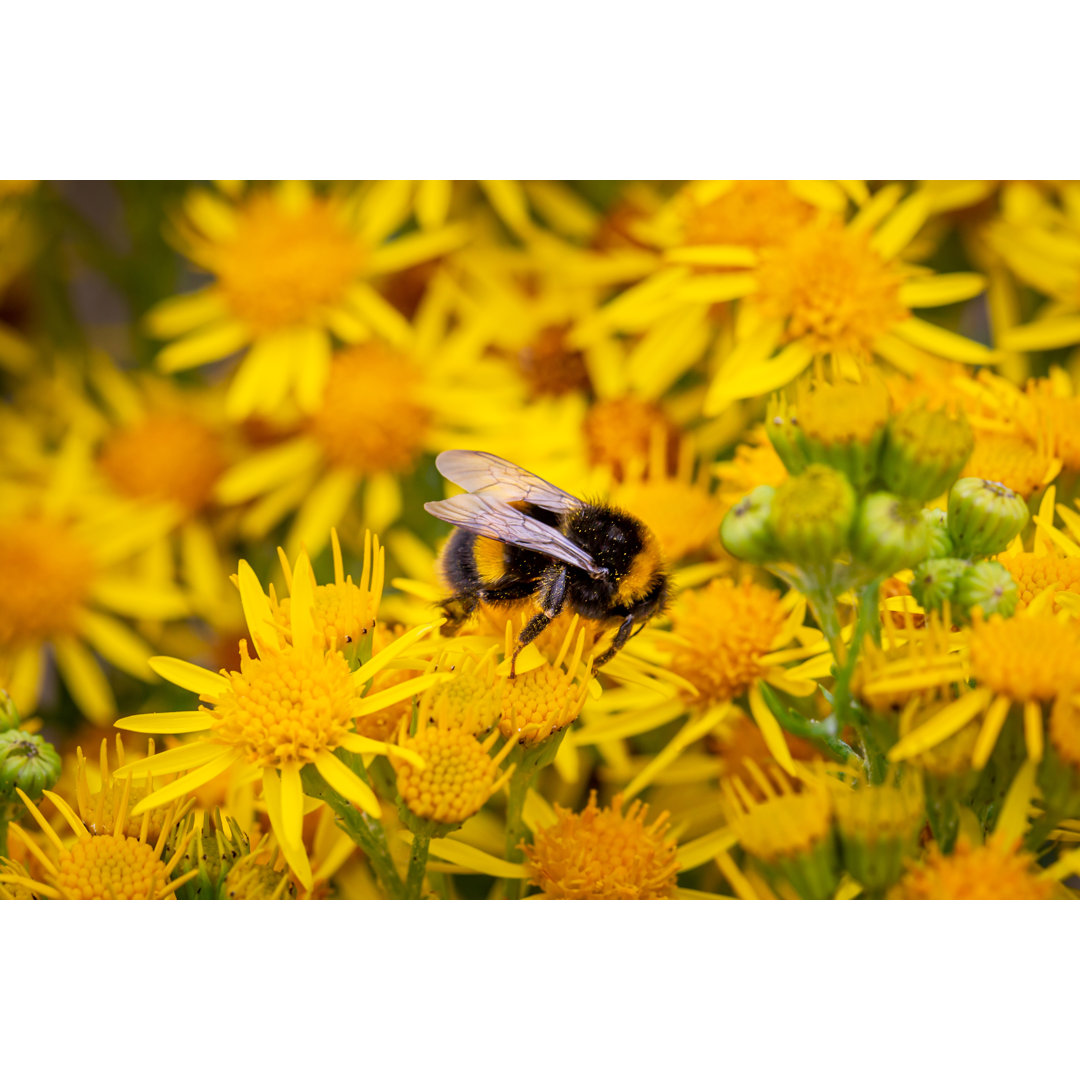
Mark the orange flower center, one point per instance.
(107, 868)
(836, 293)
(457, 778)
(620, 431)
(1010, 460)
(45, 573)
(1034, 574)
(993, 872)
(286, 707)
(550, 367)
(752, 213)
(372, 419)
(287, 264)
(724, 629)
(1025, 659)
(170, 457)
(604, 854)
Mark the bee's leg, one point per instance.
(551, 597)
(621, 638)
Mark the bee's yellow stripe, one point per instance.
(490, 556)
(634, 584)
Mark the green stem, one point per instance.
(418, 858)
(365, 830)
(3, 830)
(520, 783)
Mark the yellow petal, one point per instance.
(116, 643)
(204, 347)
(84, 679)
(265, 635)
(712, 255)
(361, 744)
(945, 723)
(1043, 334)
(770, 730)
(372, 703)
(268, 470)
(346, 783)
(453, 851)
(302, 605)
(705, 848)
(167, 723)
(899, 229)
(207, 684)
(182, 314)
(385, 656)
(287, 821)
(417, 248)
(1013, 821)
(690, 732)
(750, 381)
(178, 759)
(941, 289)
(941, 342)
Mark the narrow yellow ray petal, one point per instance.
(712, 255)
(302, 605)
(941, 342)
(705, 848)
(346, 783)
(538, 813)
(67, 814)
(84, 679)
(380, 315)
(941, 289)
(361, 744)
(183, 314)
(899, 229)
(203, 346)
(825, 194)
(454, 851)
(116, 643)
(43, 825)
(1033, 730)
(187, 783)
(265, 471)
(1013, 821)
(265, 634)
(736, 878)
(770, 730)
(380, 660)
(207, 684)
(987, 739)
(690, 732)
(285, 829)
(945, 723)
(417, 248)
(374, 702)
(167, 723)
(600, 731)
(126, 596)
(1043, 334)
(731, 385)
(189, 756)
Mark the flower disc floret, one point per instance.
(538, 703)
(995, 871)
(1025, 659)
(111, 868)
(286, 707)
(604, 854)
(45, 576)
(371, 418)
(724, 630)
(284, 264)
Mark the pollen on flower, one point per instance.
(472, 700)
(45, 575)
(622, 430)
(287, 706)
(538, 703)
(836, 292)
(995, 871)
(284, 264)
(1025, 659)
(372, 418)
(459, 773)
(1034, 574)
(751, 213)
(604, 854)
(343, 613)
(166, 456)
(109, 867)
(724, 630)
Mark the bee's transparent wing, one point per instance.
(492, 477)
(499, 521)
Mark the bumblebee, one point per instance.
(518, 536)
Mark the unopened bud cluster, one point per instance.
(859, 499)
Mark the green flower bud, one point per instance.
(812, 514)
(935, 581)
(941, 545)
(745, 530)
(890, 533)
(250, 879)
(842, 425)
(213, 851)
(924, 451)
(27, 762)
(783, 431)
(9, 715)
(988, 586)
(984, 516)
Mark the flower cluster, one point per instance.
(767, 577)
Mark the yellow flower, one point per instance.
(116, 865)
(604, 854)
(65, 577)
(384, 406)
(838, 290)
(292, 266)
(994, 871)
(291, 705)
